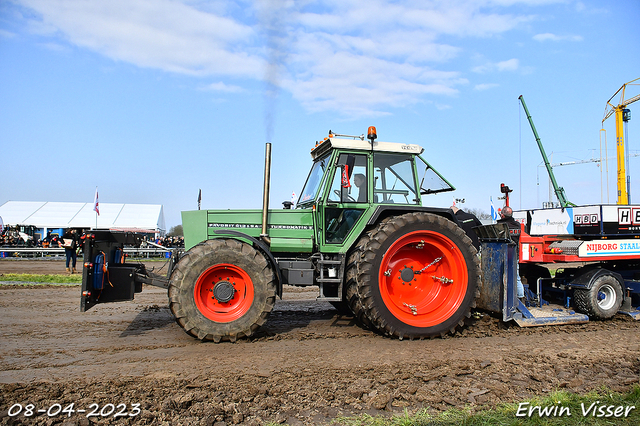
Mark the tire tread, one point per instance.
(180, 292)
(361, 274)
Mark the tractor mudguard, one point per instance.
(260, 246)
(587, 279)
(384, 210)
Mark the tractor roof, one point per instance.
(358, 143)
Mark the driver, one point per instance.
(360, 182)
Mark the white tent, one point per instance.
(51, 215)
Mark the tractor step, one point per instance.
(329, 299)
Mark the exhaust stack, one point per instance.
(265, 193)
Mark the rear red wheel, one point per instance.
(423, 278)
(222, 289)
(417, 276)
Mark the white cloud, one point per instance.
(508, 65)
(163, 34)
(464, 18)
(223, 87)
(359, 56)
(349, 56)
(485, 86)
(6, 34)
(323, 77)
(554, 37)
(591, 9)
(56, 47)
(442, 107)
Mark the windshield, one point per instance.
(310, 189)
(430, 180)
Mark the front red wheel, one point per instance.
(222, 289)
(223, 293)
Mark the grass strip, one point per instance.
(596, 408)
(42, 278)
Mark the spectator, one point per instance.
(467, 222)
(506, 216)
(70, 244)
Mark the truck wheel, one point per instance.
(417, 276)
(602, 300)
(222, 289)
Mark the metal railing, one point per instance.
(49, 252)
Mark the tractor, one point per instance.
(361, 231)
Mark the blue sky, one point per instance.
(152, 100)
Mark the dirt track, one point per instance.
(307, 365)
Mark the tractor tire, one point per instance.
(416, 277)
(351, 295)
(602, 300)
(222, 289)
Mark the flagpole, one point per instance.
(96, 208)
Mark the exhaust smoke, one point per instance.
(272, 17)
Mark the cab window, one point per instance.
(349, 183)
(312, 185)
(394, 181)
(431, 182)
(348, 186)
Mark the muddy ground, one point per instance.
(307, 365)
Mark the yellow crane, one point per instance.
(623, 115)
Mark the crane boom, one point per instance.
(590, 160)
(562, 199)
(619, 110)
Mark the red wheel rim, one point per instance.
(428, 297)
(234, 293)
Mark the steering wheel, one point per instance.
(349, 197)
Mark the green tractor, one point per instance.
(359, 231)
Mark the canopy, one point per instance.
(52, 214)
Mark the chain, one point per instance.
(429, 265)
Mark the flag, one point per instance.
(96, 207)
(494, 213)
(454, 202)
(345, 177)
(293, 197)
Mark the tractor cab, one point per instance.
(352, 178)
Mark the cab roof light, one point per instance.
(372, 134)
